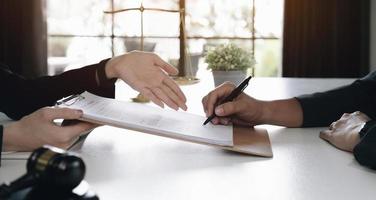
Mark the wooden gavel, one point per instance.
(48, 167)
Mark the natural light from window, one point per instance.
(80, 33)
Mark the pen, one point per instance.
(64, 100)
(235, 93)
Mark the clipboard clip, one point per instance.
(70, 100)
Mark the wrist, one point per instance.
(265, 112)
(10, 132)
(106, 73)
(286, 112)
(354, 140)
(112, 65)
(109, 69)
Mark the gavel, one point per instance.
(48, 167)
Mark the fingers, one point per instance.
(332, 126)
(213, 97)
(215, 121)
(170, 83)
(76, 130)
(227, 121)
(326, 135)
(173, 97)
(165, 98)
(164, 94)
(60, 113)
(346, 115)
(221, 120)
(72, 132)
(205, 105)
(150, 95)
(165, 66)
(226, 109)
(64, 136)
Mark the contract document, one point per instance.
(149, 119)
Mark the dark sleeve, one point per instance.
(1, 141)
(321, 109)
(22, 96)
(365, 150)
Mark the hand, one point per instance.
(148, 74)
(344, 133)
(243, 110)
(38, 129)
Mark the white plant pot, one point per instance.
(235, 77)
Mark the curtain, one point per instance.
(23, 36)
(326, 38)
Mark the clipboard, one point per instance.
(246, 140)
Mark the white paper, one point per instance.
(168, 123)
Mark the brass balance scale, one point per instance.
(187, 78)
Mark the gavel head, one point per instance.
(56, 168)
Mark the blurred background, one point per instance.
(290, 38)
(79, 31)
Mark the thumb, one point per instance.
(326, 135)
(165, 66)
(226, 109)
(63, 113)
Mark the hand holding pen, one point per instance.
(234, 93)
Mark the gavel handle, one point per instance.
(23, 182)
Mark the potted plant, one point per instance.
(229, 63)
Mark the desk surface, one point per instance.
(124, 164)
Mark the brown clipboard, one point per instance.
(246, 140)
(253, 141)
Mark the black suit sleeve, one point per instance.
(365, 150)
(22, 96)
(321, 109)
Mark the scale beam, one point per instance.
(183, 78)
(142, 9)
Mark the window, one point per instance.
(79, 33)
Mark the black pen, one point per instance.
(235, 93)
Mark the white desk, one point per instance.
(124, 164)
